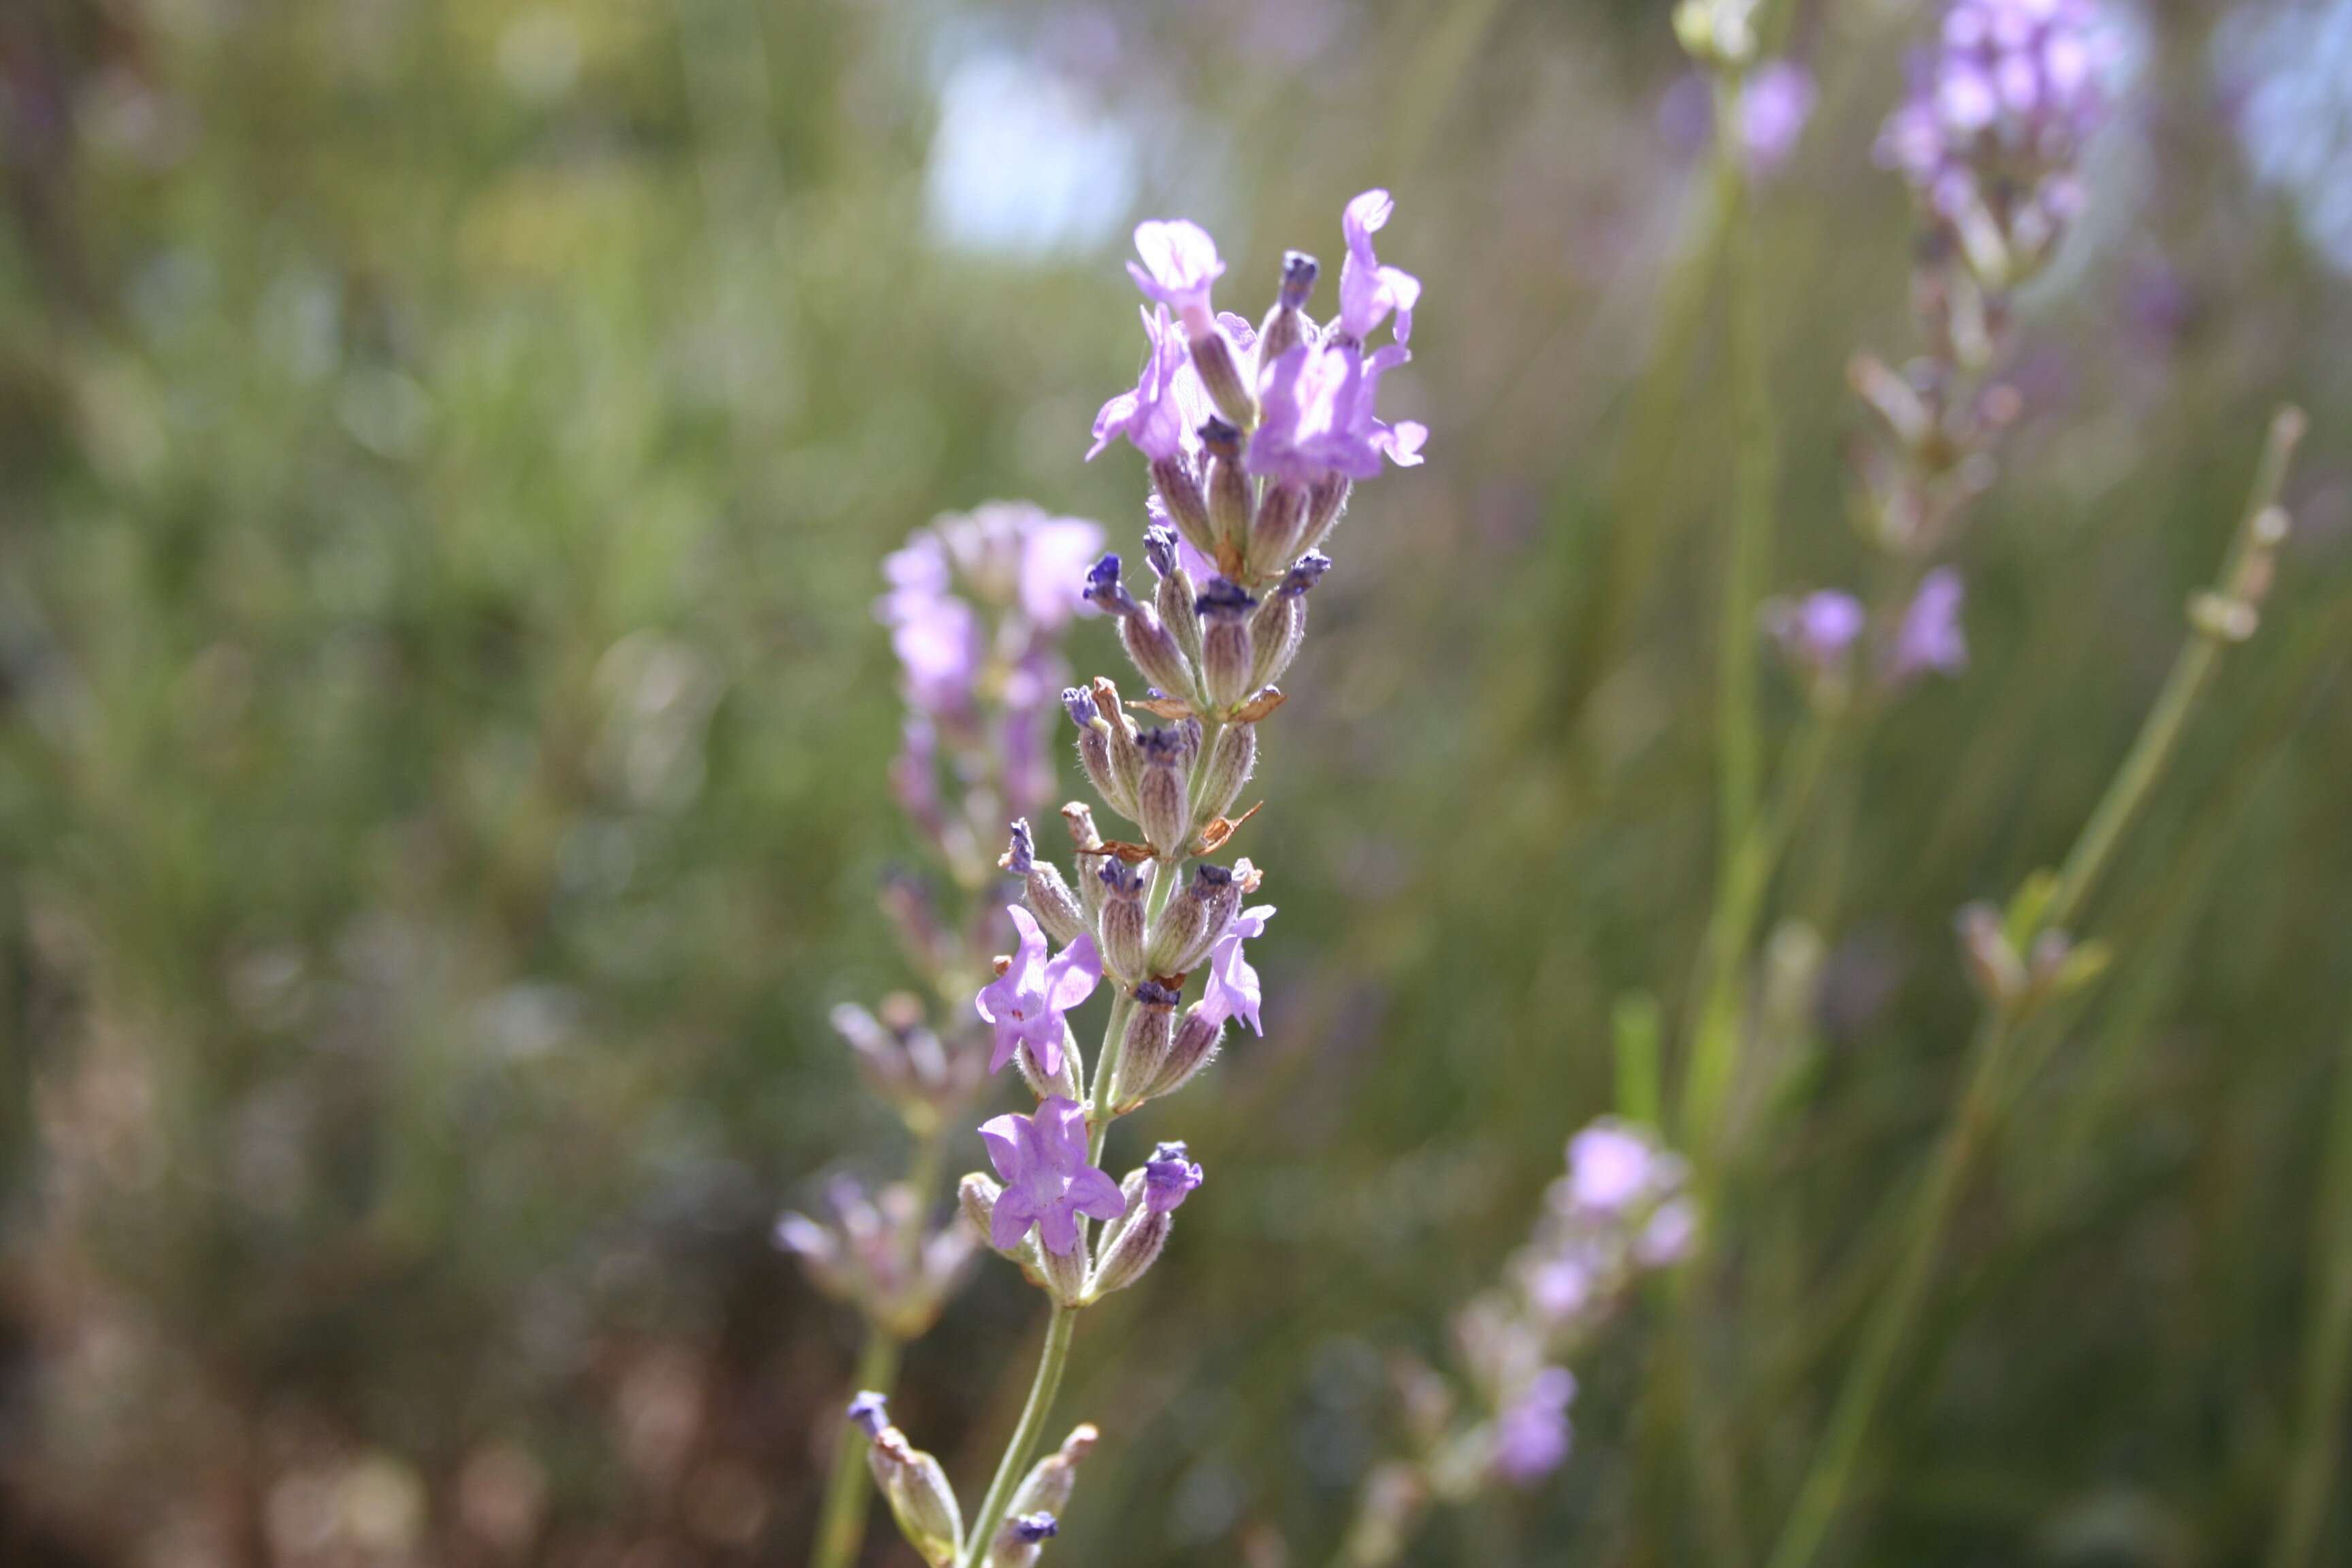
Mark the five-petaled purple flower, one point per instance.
(1233, 989)
(1180, 266)
(1930, 637)
(1368, 290)
(1047, 1182)
(1531, 1436)
(1168, 1176)
(1025, 1003)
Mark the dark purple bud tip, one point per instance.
(1122, 882)
(1167, 1175)
(1020, 855)
(1304, 574)
(870, 1411)
(1151, 994)
(1221, 439)
(1209, 881)
(1103, 588)
(1162, 747)
(1298, 273)
(1160, 549)
(1223, 599)
(1176, 1148)
(1079, 705)
(1030, 1528)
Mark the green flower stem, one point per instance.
(2327, 1347)
(983, 1527)
(2242, 577)
(2227, 617)
(1833, 1470)
(841, 1524)
(841, 1527)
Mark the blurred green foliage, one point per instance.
(446, 450)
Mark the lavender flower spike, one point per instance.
(1368, 290)
(1232, 990)
(1180, 266)
(1025, 1003)
(1930, 637)
(1047, 1182)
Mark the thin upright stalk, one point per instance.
(2228, 616)
(2326, 1345)
(2153, 749)
(1010, 1469)
(1890, 1325)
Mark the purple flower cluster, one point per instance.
(1620, 1211)
(976, 604)
(1992, 133)
(1220, 402)
(1819, 634)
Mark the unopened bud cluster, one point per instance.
(925, 1505)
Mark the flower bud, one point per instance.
(1994, 968)
(1064, 1274)
(1280, 625)
(919, 1496)
(1143, 1048)
(1286, 325)
(976, 1194)
(1230, 504)
(1163, 802)
(1153, 1194)
(1044, 1493)
(1276, 531)
(1049, 897)
(1327, 503)
(1181, 498)
(1231, 761)
(870, 1413)
(1192, 922)
(1118, 929)
(1193, 1048)
(1046, 1085)
(1174, 599)
(1095, 750)
(1227, 651)
(1221, 373)
(1022, 1537)
(1125, 761)
(1148, 642)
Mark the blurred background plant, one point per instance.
(446, 452)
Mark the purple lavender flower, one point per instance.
(1029, 1529)
(1153, 417)
(1232, 988)
(1318, 401)
(1368, 290)
(1026, 1004)
(1531, 1435)
(1054, 554)
(870, 1413)
(1611, 1167)
(1168, 1176)
(1179, 267)
(1998, 114)
(1042, 1159)
(1774, 104)
(1819, 629)
(1930, 637)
